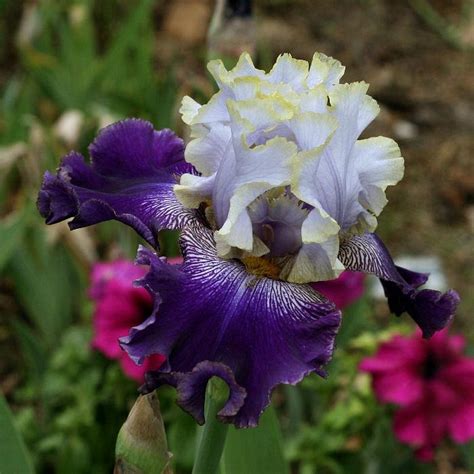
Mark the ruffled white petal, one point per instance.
(318, 227)
(244, 88)
(260, 113)
(193, 190)
(256, 170)
(189, 109)
(243, 68)
(332, 177)
(324, 70)
(205, 153)
(290, 71)
(314, 100)
(312, 130)
(353, 108)
(317, 258)
(214, 111)
(379, 164)
(314, 262)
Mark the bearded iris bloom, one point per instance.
(274, 192)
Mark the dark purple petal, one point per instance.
(430, 309)
(264, 331)
(191, 388)
(132, 149)
(130, 179)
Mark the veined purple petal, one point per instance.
(131, 178)
(430, 309)
(264, 331)
(191, 388)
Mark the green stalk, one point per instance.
(212, 439)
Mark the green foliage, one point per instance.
(46, 285)
(12, 231)
(13, 454)
(72, 401)
(181, 433)
(70, 418)
(255, 451)
(63, 68)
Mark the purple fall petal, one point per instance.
(430, 309)
(131, 178)
(264, 331)
(191, 388)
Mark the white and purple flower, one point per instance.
(274, 192)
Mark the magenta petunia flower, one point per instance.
(119, 305)
(275, 191)
(347, 288)
(433, 384)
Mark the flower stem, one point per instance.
(212, 439)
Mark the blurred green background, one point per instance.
(68, 68)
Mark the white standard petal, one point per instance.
(324, 70)
(314, 262)
(193, 190)
(205, 153)
(379, 164)
(314, 100)
(189, 109)
(256, 170)
(214, 111)
(244, 88)
(305, 172)
(312, 130)
(237, 230)
(318, 227)
(261, 112)
(353, 108)
(243, 68)
(317, 259)
(331, 177)
(258, 120)
(289, 71)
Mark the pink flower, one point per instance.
(433, 384)
(119, 306)
(344, 290)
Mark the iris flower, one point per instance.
(274, 191)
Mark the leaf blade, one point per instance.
(14, 456)
(255, 450)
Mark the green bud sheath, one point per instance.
(141, 443)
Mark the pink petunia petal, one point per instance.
(461, 424)
(344, 290)
(402, 387)
(410, 425)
